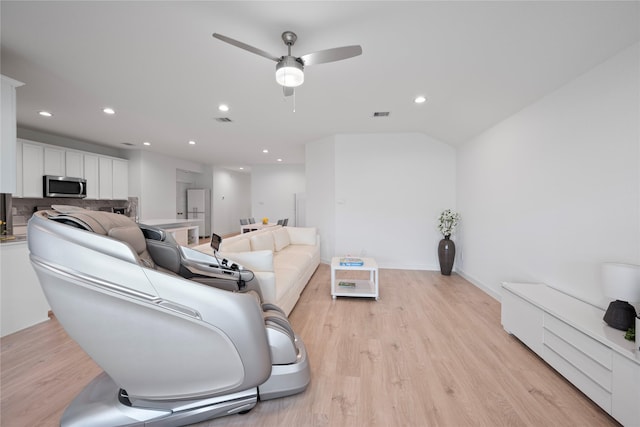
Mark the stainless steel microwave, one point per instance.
(64, 186)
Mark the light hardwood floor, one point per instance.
(430, 352)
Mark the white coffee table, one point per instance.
(361, 287)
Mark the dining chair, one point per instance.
(244, 221)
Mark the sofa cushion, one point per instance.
(286, 279)
(237, 245)
(254, 260)
(288, 259)
(263, 241)
(302, 235)
(281, 239)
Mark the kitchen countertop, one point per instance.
(16, 239)
(171, 223)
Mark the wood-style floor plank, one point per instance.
(430, 352)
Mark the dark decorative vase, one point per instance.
(446, 255)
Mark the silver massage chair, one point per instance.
(182, 336)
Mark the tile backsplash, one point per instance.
(25, 207)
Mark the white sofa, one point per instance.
(282, 258)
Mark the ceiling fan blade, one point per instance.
(245, 46)
(287, 91)
(331, 55)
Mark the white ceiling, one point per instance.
(157, 65)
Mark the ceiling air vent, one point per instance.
(223, 119)
(381, 114)
(128, 144)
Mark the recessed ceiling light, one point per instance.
(192, 142)
(147, 143)
(241, 168)
(279, 160)
(108, 110)
(45, 113)
(223, 107)
(419, 99)
(265, 151)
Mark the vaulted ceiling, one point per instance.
(157, 65)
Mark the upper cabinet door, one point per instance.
(105, 173)
(54, 161)
(120, 179)
(91, 175)
(32, 170)
(73, 164)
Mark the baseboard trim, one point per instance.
(486, 289)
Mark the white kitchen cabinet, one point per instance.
(23, 302)
(105, 178)
(120, 179)
(90, 163)
(32, 169)
(54, 161)
(74, 164)
(8, 134)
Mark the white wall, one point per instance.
(272, 191)
(552, 192)
(152, 178)
(231, 199)
(385, 193)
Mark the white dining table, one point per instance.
(257, 226)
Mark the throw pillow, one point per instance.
(281, 239)
(262, 241)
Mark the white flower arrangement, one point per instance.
(447, 222)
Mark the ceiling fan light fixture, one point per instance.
(289, 72)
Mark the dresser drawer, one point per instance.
(590, 388)
(582, 362)
(587, 345)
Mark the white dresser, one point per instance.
(570, 335)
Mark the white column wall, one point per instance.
(320, 203)
(231, 200)
(552, 192)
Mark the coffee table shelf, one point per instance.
(362, 287)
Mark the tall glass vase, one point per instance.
(446, 255)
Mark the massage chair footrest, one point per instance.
(286, 380)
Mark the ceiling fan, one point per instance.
(290, 69)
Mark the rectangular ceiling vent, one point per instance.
(381, 114)
(223, 119)
(128, 144)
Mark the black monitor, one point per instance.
(215, 241)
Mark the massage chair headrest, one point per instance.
(109, 224)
